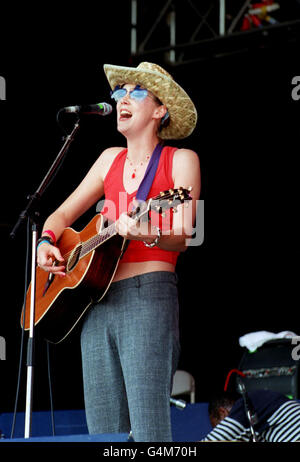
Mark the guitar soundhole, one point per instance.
(73, 258)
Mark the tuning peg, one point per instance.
(162, 193)
(190, 188)
(171, 191)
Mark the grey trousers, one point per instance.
(130, 350)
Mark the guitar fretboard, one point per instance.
(94, 242)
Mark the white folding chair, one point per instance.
(183, 384)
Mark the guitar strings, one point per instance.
(87, 246)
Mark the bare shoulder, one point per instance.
(186, 156)
(109, 154)
(106, 159)
(185, 159)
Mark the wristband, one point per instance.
(45, 239)
(51, 234)
(42, 241)
(155, 242)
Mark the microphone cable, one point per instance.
(50, 389)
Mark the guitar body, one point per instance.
(67, 298)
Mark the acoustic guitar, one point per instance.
(91, 260)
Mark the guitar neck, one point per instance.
(98, 239)
(108, 232)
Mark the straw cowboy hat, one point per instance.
(183, 114)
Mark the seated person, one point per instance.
(277, 417)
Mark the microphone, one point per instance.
(100, 108)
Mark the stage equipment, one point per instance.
(272, 367)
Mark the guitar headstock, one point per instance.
(168, 199)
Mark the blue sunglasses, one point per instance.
(138, 93)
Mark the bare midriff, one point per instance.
(128, 270)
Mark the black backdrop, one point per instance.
(241, 278)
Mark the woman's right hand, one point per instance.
(49, 257)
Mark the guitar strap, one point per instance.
(147, 181)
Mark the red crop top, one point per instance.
(118, 201)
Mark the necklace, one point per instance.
(136, 166)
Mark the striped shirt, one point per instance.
(280, 425)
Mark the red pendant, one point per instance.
(133, 175)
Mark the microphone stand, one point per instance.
(251, 416)
(30, 213)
